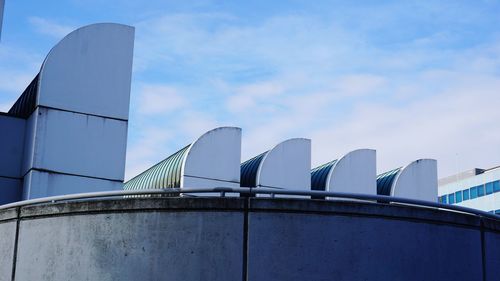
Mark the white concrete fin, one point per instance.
(417, 180)
(89, 71)
(355, 172)
(213, 160)
(287, 166)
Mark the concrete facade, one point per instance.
(355, 172)
(11, 150)
(417, 180)
(286, 166)
(245, 239)
(213, 160)
(68, 130)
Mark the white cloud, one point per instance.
(50, 28)
(457, 119)
(159, 99)
(247, 97)
(358, 84)
(150, 148)
(298, 76)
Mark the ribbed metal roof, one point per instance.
(248, 170)
(26, 103)
(166, 174)
(385, 180)
(319, 175)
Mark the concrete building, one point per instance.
(476, 188)
(211, 161)
(417, 180)
(354, 172)
(68, 129)
(285, 166)
(67, 134)
(254, 239)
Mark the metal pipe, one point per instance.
(261, 190)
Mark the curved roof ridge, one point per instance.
(319, 175)
(386, 180)
(164, 174)
(249, 170)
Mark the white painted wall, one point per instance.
(42, 184)
(418, 180)
(89, 71)
(214, 159)
(355, 172)
(80, 144)
(287, 165)
(78, 132)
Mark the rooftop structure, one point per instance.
(210, 161)
(354, 172)
(285, 166)
(417, 180)
(69, 127)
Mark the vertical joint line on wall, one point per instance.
(245, 240)
(14, 257)
(483, 250)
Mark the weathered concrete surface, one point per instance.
(492, 255)
(132, 246)
(7, 240)
(356, 248)
(164, 238)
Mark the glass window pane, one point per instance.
(489, 188)
(451, 198)
(473, 192)
(458, 196)
(496, 186)
(444, 199)
(465, 194)
(480, 190)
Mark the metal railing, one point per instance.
(272, 192)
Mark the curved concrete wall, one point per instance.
(76, 133)
(417, 180)
(287, 166)
(244, 239)
(90, 71)
(355, 172)
(213, 160)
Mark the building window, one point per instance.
(496, 186)
(458, 196)
(473, 192)
(480, 190)
(443, 199)
(465, 194)
(489, 188)
(451, 198)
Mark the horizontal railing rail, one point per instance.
(272, 192)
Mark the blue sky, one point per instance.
(411, 79)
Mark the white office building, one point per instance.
(476, 188)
